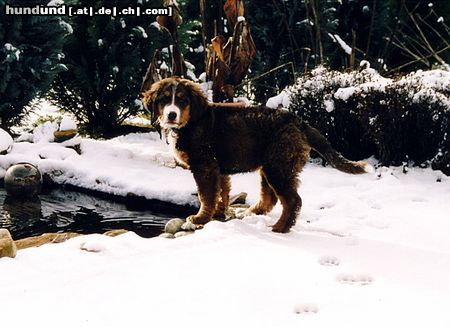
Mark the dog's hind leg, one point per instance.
(286, 191)
(284, 160)
(267, 200)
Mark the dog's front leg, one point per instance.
(207, 179)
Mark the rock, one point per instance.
(23, 180)
(188, 226)
(167, 235)
(238, 205)
(7, 246)
(6, 142)
(174, 225)
(238, 198)
(183, 233)
(34, 241)
(61, 136)
(115, 232)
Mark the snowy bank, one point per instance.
(135, 164)
(368, 250)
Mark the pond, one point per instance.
(67, 210)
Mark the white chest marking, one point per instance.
(180, 156)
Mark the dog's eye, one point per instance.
(182, 101)
(163, 98)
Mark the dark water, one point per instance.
(60, 209)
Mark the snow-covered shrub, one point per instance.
(405, 119)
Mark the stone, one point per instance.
(174, 225)
(7, 246)
(167, 235)
(61, 136)
(188, 226)
(115, 232)
(45, 238)
(238, 198)
(183, 233)
(23, 180)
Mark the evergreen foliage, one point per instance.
(106, 59)
(30, 58)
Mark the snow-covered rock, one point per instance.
(6, 141)
(44, 133)
(67, 123)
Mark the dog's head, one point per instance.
(174, 102)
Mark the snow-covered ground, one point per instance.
(368, 250)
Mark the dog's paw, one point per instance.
(198, 219)
(241, 213)
(280, 228)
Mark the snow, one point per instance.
(67, 123)
(345, 93)
(13, 50)
(199, 49)
(428, 86)
(329, 105)
(142, 30)
(164, 66)
(367, 250)
(244, 100)
(156, 25)
(55, 3)
(6, 141)
(281, 99)
(344, 46)
(66, 26)
(44, 132)
(101, 165)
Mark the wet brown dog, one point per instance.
(214, 143)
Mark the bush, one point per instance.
(106, 59)
(30, 58)
(401, 120)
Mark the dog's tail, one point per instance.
(320, 144)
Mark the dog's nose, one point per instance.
(172, 115)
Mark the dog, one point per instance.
(217, 142)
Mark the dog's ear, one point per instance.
(149, 100)
(198, 100)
